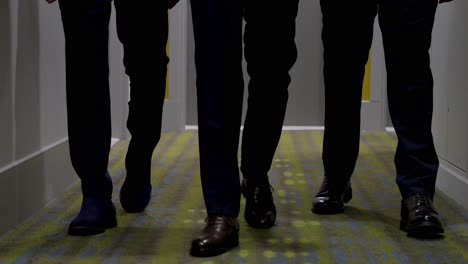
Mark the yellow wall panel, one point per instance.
(366, 83)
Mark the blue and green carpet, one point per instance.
(367, 232)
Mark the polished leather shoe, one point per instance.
(419, 218)
(331, 200)
(135, 196)
(96, 215)
(260, 210)
(220, 234)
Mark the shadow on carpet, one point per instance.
(367, 232)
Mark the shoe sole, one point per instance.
(90, 230)
(324, 210)
(211, 252)
(132, 209)
(348, 195)
(423, 230)
(254, 223)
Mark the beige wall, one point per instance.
(450, 126)
(34, 161)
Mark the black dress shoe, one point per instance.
(96, 215)
(260, 210)
(135, 193)
(135, 196)
(331, 199)
(419, 218)
(220, 234)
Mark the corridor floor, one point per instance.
(367, 232)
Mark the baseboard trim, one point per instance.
(453, 182)
(285, 128)
(114, 141)
(31, 156)
(41, 151)
(33, 182)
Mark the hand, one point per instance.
(444, 1)
(50, 1)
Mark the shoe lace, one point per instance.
(212, 219)
(261, 193)
(423, 200)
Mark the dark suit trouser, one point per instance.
(270, 53)
(142, 29)
(347, 35)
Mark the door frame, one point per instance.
(174, 116)
(374, 111)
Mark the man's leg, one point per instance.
(218, 56)
(270, 52)
(88, 108)
(142, 28)
(347, 37)
(407, 29)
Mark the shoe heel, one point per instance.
(348, 195)
(403, 225)
(243, 192)
(235, 241)
(112, 223)
(132, 201)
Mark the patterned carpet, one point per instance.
(366, 233)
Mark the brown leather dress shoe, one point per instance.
(220, 234)
(331, 199)
(260, 210)
(419, 218)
